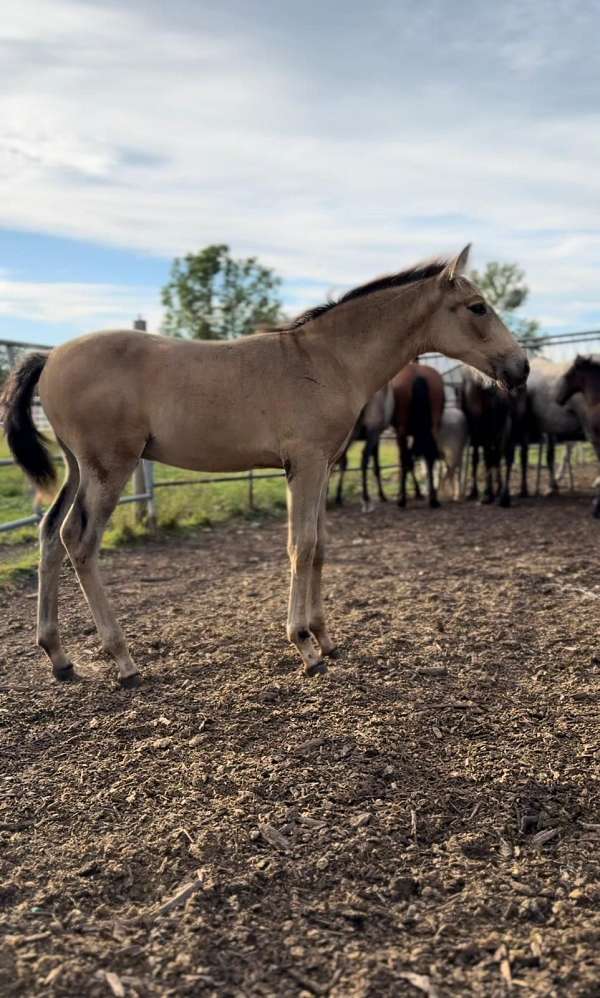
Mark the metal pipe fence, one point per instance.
(145, 485)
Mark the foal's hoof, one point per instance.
(434, 504)
(130, 682)
(318, 669)
(505, 501)
(65, 675)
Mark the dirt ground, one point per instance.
(423, 819)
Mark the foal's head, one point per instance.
(466, 327)
(582, 371)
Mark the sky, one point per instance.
(335, 141)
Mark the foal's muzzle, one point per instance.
(513, 372)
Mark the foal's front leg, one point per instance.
(316, 617)
(306, 485)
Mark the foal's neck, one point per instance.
(376, 336)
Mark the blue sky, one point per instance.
(335, 141)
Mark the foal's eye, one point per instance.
(478, 308)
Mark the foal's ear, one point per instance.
(457, 265)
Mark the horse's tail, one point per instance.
(27, 444)
(420, 420)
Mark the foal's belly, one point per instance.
(216, 447)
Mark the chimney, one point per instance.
(140, 324)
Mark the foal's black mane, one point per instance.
(420, 272)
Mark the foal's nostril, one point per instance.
(526, 370)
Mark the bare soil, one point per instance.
(423, 819)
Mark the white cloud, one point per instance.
(79, 306)
(333, 147)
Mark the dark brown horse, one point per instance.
(497, 424)
(584, 376)
(418, 406)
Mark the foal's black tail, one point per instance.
(420, 421)
(27, 444)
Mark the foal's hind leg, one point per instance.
(306, 485)
(316, 617)
(82, 533)
(52, 554)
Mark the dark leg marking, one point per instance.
(54, 514)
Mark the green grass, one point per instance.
(179, 510)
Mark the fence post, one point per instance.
(139, 486)
(148, 467)
(463, 473)
(251, 489)
(143, 484)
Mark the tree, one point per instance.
(503, 285)
(211, 296)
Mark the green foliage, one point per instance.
(212, 296)
(503, 285)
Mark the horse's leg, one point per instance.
(81, 534)
(488, 496)
(377, 465)
(434, 502)
(416, 486)
(550, 457)
(474, 493)
(565, 465)
(454, 481)
(570, 447)
(538, 472)
(342, 465)
(524, 493)
(404, 457)
(510, 458)
(52, 554)
(305, 488)
(364, 467)
(463, 470)
(316, 617)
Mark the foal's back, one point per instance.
(206, 406)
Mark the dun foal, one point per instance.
(288, 398)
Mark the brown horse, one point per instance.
(584, 376)
(496, 423)
(286, 398)
(418, 406)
